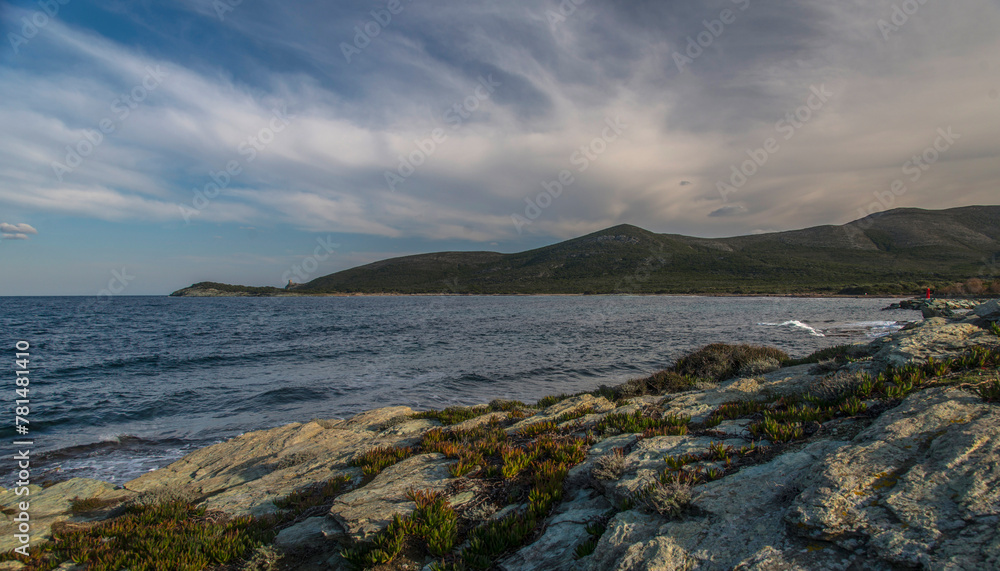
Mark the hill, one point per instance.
(897, 252)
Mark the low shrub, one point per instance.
(175, 536)
(667, 499)
(454, 414)
(379, 458)
(839, 353)
(720, 361)
(659, 383)
(550, 400)
(575, 414)
(637, 422)
(312, 496)
(989, 391)
(610, 466)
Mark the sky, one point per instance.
(149, 145)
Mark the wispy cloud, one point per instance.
(559, 81)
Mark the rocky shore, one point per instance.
(952, 308)
(873, 456)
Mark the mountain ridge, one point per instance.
(896, 251)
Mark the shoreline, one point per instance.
(736, 295)
(332, 487)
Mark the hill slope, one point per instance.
(895, 248)
(898, 251)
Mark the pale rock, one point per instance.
(988, 310)
(247, 473)
(565, 529)
(935, 337)
(700, 404)
(572, 404)
(311, 531)
(48, 506)
(919, 487)
(367, 510)
(730, 521)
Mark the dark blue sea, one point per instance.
(123, 385)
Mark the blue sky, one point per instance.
(390, 128)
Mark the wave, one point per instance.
(279, 397)
(116, 458)
(110, 443)
(797, 325)
(872, 324)
(160, 363)
(873, 328)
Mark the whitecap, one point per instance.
(873, 328)
(798, 325)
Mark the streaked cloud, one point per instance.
(183, 95)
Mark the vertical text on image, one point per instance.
(22, 516)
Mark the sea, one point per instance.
(123, 385)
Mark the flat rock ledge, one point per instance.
(915, 486)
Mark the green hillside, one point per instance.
(899, 251)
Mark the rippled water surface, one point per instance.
(126, 384)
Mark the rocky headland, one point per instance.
(883, 455)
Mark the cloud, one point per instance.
(16, 231)
(17, 228)
(731, 210)
(559, 83)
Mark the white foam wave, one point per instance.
(874, 328)
(798, 325)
